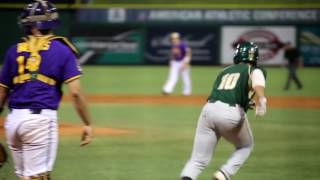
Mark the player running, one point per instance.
(179, 64)
(32, 76)
(225, 114)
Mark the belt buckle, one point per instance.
(35, 111)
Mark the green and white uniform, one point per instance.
(233, 86)
(225, 116)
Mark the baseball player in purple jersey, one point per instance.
(32, 75)
(179, 64)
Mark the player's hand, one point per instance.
(261, 107)
(251, 104)
(3, 155)
(86, 135)
(185, 66)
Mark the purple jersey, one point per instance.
(38, 86)
(178, 52)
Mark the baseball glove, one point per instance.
(3, 155)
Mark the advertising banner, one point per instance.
(202, 41)
(309, 39)
(215, 16)
(269, 39)
(109, 45)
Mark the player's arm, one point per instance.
(71, 76)
(300, 61)
(258, 85)
(82, 109)
(187, 58)
(3, 97)
(5, 79)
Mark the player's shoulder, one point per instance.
(228, 67)
(259, 68)
(12, 50)
(63, 44)
(183, 44)
(237, 67)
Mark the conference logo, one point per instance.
(268, 42)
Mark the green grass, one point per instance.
(286, 140)
(149, 80)
(286, 146)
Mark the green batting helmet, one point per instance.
(246, 52)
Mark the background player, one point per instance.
(32, 76)
(179, 64)
(292, 55)
(225, 115)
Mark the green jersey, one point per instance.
(233, 85)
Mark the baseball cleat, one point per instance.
(165, 93)
(219, 176)
(186, 178)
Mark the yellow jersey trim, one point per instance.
(72, 78)
(40, 77)
(4, 86)
(66, 42)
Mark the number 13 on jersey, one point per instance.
(229, 81)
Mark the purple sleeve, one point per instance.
(183, 47)
(5, 74)
(71, 68)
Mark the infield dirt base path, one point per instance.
(75, 130)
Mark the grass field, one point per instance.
(286, 140)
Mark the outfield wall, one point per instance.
(125, 36)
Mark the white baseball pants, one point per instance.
(216, 120)
(32, 140)
(176, 68)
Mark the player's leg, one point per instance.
(53, 143)
(172, 78)
(240, 135)
(42, 176)
(14, 143)
(187, 87)
(289, 79)
(204, 143)
(293, 72)
(36, 137)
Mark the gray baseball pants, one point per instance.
(217, 120)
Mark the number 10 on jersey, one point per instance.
(229, 81)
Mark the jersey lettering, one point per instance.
(229, 81)
(32, 64)
(20, 60)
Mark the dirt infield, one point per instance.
(75, 130)
(70, 129)
(286, 102)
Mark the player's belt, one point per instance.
(40, 77)
(213, 101)
(35, 111)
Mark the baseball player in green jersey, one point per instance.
(225, 114)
